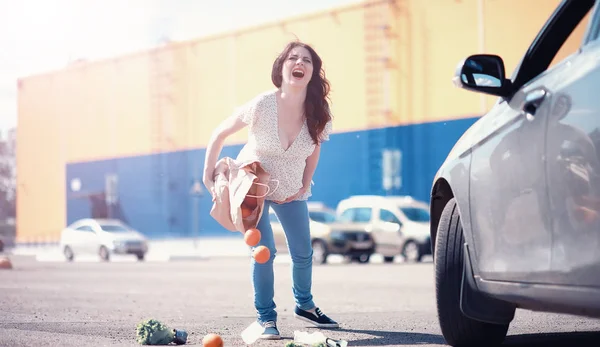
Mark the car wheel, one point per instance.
(319, 252)
(411, 252)
(103, 252)
(1, 246)
(388, 259)
(363, 258)
(68, 252)
(140, 256)
(458, 330)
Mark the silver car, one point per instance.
(102, 237)
(399, 224)
(515, 208)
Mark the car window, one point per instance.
(85, 228)
(362, 214)
(388, 216)
(416, 214)
(322, 216)
(347, 215)
(573, 42)
(113, 228)
(594, 32)
(561, 33)
(357, 214)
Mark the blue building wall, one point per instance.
(154, 190)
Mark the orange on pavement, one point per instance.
(212, 340)
(5, 263)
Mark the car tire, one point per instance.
(388, 259)
(457, 329)
(412, 252)
(104, 254)
(363, 258)
(140, 256)
(68, 252)
(320, 252)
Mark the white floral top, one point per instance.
(286, 166)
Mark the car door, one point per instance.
(508, 188)
(573, 164)
(508, 198)
(389, 232)
(83, 237)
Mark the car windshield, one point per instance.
(416, 214)
(113, 228)
(322, 216)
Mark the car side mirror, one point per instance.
(483, 73)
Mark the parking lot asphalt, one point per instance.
(54, 303)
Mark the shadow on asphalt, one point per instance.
(396, 338)
(579, 339)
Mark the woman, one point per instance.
(286, 128)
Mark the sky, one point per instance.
(43, 35)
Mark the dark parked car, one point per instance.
(515, 208)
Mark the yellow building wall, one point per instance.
(171, 98)
(40, 165)
(115, 107)
(433, 36)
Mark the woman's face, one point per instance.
(297, 68)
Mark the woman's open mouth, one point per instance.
(298, 73)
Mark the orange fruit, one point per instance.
(261, 254)
(246, 211)
(212, 340)
(252, 237)
(251, 202)
(5, 263)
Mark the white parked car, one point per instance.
(399, 224)
(102, 237)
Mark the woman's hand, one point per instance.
(293, 197)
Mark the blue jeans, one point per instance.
(294, 220)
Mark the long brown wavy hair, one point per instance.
(316, 105)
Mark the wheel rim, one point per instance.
(103, 253)
(68, 253)
(411, 251)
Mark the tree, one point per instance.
(8, 175)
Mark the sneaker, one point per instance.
(319, 319)
(271, 332)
